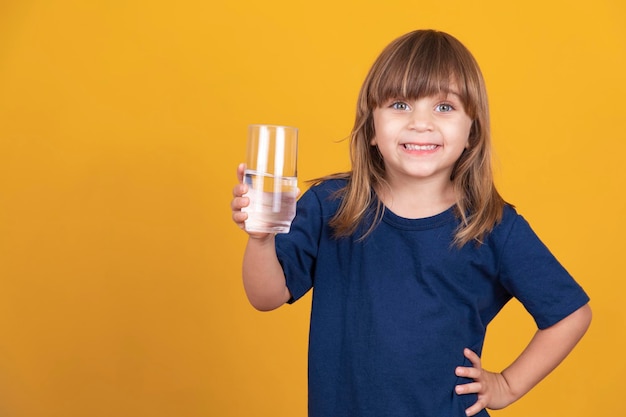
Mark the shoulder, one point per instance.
(514, 232)
(323, 195)
(328, 188)
(510, 220)
(509, 214)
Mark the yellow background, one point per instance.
(121, 125)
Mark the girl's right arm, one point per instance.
(263, 277)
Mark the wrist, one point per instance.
(261, 237)
(511, 394)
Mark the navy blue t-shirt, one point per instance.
(391, 314)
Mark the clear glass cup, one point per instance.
(271, 175)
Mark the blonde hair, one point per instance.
(420, 64)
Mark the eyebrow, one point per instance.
(446, 94)
(452, 92)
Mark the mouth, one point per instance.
(416, 147)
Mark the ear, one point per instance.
(373, 141)
(472, 134)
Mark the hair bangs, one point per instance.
(418, 68)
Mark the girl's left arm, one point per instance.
(545, 351)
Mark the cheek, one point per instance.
(464, 133)
(375, 128)
(385, 132)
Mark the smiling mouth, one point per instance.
(414, 147)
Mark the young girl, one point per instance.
(413, 252)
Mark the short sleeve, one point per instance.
(297, 250)
(533, 275)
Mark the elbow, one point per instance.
(263, 307)
(586, 316)
(580, 320)
(267, 299)
(265, 304)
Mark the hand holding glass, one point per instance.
(271, 176)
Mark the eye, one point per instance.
(399, 105)
(444, 107)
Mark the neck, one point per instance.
(415, 200)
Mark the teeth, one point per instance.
(413, 147)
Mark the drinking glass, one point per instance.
(271, 176)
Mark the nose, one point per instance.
(421, 119)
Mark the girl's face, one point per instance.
(421, 140)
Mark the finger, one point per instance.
(238, 203)
(241, 168)
(467, 372)
(240, 217)
(476, 408)
(473, 357)
(240, 189)
(471, 388)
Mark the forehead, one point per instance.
(418, 86)
(414, 75)
(424, 64)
